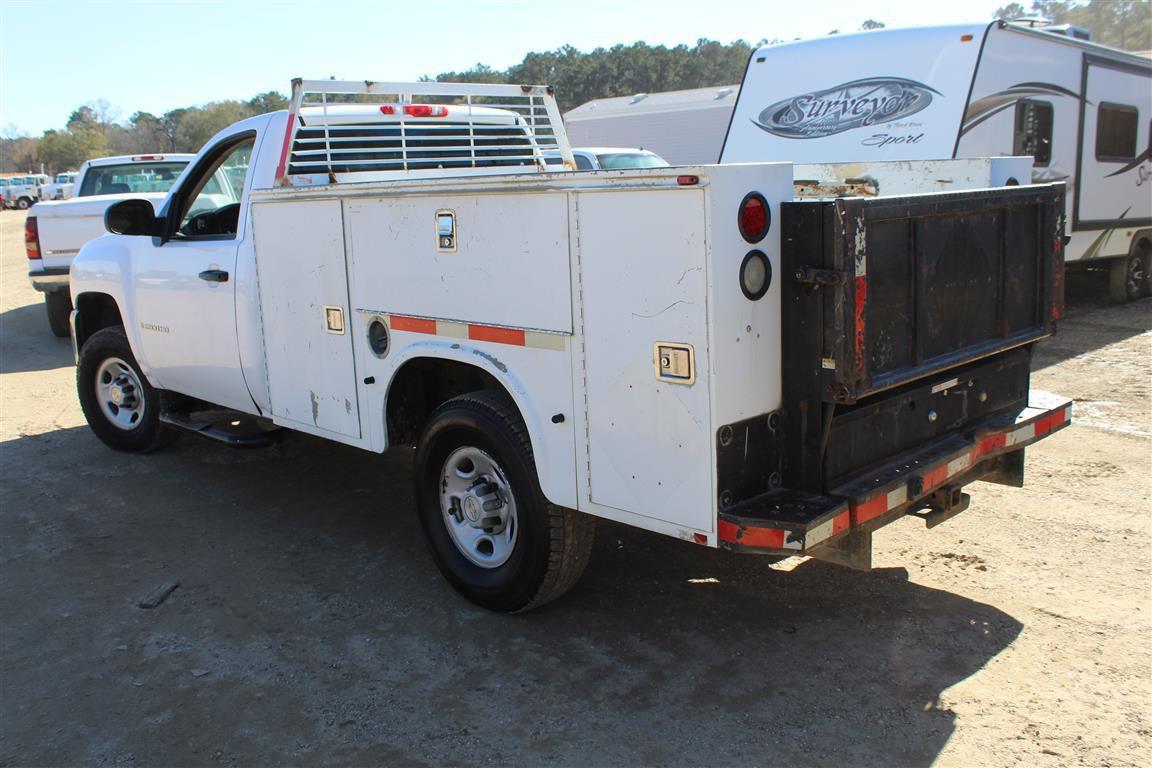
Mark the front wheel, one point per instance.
(491, 531)
(121, 407)
(59, 306)
(23, 203)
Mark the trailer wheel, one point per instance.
(489, 528)
(59, 306)
(1130, 276)
(120, 405)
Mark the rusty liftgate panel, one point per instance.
(891, 290)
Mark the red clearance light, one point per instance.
(965, 38)
(687, 181)
(1012, 182)
(425, 110)
(388, 109)
(755, 218)
(32, 238)
(145, 158)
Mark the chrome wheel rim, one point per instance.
(119, 393)
(478, 507)
(1134, 282)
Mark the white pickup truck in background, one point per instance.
(693, 351)
(55, 230)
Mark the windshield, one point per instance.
(617, 160)
(131, 177)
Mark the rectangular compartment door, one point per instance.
(307, 325)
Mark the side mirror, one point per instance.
(132, 217)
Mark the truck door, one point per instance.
(185, 286)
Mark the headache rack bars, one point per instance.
(494, 128)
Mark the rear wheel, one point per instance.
(121, 407)
(491, 531)
(59, 306)
(1130, 276)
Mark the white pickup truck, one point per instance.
(693, 351)
(55, 230)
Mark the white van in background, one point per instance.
(1083, 111)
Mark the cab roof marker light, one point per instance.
(146, 158)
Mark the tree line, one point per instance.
(95, 130)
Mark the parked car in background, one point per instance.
(60, 188)
(55, 230)
(609, 158)
(23, 192)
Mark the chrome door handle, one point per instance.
(214, 275)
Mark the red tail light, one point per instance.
(755, 219)
(425, 110)
(416, 110)
(31, 238)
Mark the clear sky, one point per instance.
(156, 55)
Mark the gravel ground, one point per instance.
(311, 627)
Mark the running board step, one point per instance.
(234, 429)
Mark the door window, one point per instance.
(211, 208)
(1034, 131)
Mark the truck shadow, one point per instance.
(318, 631)
(27, 344)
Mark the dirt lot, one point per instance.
(310, 626)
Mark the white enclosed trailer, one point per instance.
(683, 127)
(688, 351)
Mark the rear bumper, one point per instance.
(49, 279)
(789, 523)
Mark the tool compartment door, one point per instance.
(303, 279)
(644, 277)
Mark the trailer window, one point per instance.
(1034, 130)
(1115, 132)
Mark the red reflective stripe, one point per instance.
(861, 298)
(700, 538)
(841, 522)
(989, 444)
(1059, 417)
(935, 477)
(768, 538)
(414, 324)
(862, 513)
(497, 335)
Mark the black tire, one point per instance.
(1130, 278)
(59, 306)
(148, 434)
(23, 204)
(553, 543)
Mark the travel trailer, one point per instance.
(1083, 111)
